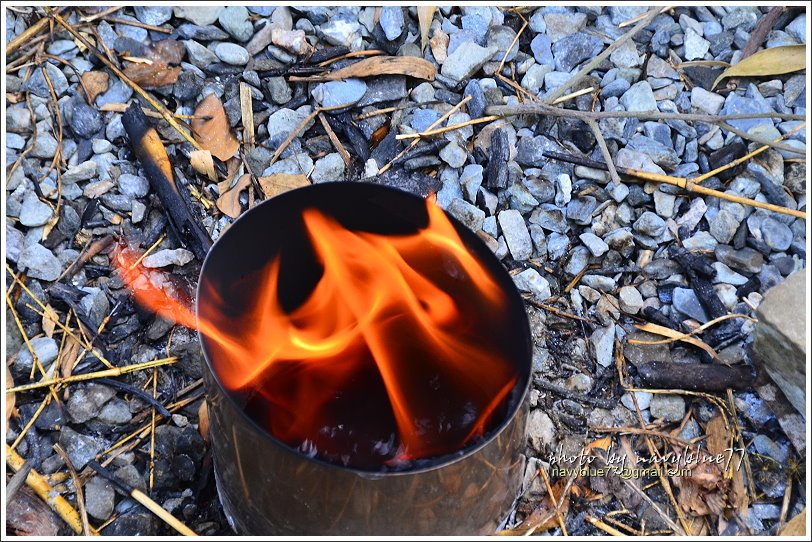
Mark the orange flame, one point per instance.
(410, 312)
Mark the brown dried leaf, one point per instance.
(203, 420)
(384, 65)
(424, 17)
(28, 515)
(49, 321)
(229, 201)
(672, 334)
(796, 526)
(96, 82)
(276, 184)
(69, 356)
(11, 398)
(203, 163)
(157, 74)
(214, 134)
(544, 517)
(718, 437)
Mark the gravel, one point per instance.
(516, 235)
(39, 262)
(166, 257)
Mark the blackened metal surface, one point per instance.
(268, 488)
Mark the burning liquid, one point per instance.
(399, 352)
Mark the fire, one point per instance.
(397, 332)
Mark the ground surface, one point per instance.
(592, 256)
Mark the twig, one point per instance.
(334, 140)
(580, 397)
(603, 526)
(16, 482)
(115, 371)
(607, 156)
(77, 488)
(686, 184)
(47, 493)
(433, 125)
(30, 32)
(572, 95)
(759, 33)
(444, 129)
(138, 24)
(558, 515)
(595, 62)
(298, 130)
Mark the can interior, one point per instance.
(275, 228)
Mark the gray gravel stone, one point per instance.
(46, 350)
(649, 224)
(454, 155)
(392, 22)
(561, 25)
(466, 60)
(39, 262)
(532, 282)
(234, 20)
(723, 226)
(470, 215)
(14, 242)
(38, 86)
(133, 185)
(630, 299)
(696, 47)
(706, 102)
(231, 53)
(99, 496)
(516, 235)
(603, 342)
(571, 50)
(670, 408)
(200, 55)
(330, 168)
(81, 448)
(334, 93)
(777, 235)
(154, 15)
(85, 402)
(639, 97)
(686, 302)
(595, 244)
(198, 14)
(165, 257)
(115, 412)
(34, 212)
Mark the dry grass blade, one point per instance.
(675, 335)
(773, 61)
(10, 397)
(212, 130)
(379, 65)
(681, 336)
(247, 113)
(424, 16)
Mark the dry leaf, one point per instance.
(203, 420)
(28, 515)
(96, 82)
(796, 526)
(773, 61)
(424, 16)
(229, 201)
(600, 444)
(69, 356)
(214, 134)
(159, 68)
(543, 517)
(10, 397)
(275, 184)
(49, 320)
(203, 163)
(383, 65)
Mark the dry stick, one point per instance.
(16, 482)
(334, 140)
(603, 526)
(550, 492)
(746, 157)
(686, 184)
(143, 499)
(444, 129)
(435, 124)
(77, 488)
(298, 130)
(164, 112)
(138, 24)
(115, 371)
(719, 120)
(607, 156)
(47, 493)
(247, 112)
(595, 62)
(99, 15)
(30, 32)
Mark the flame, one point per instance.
(410, 313)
